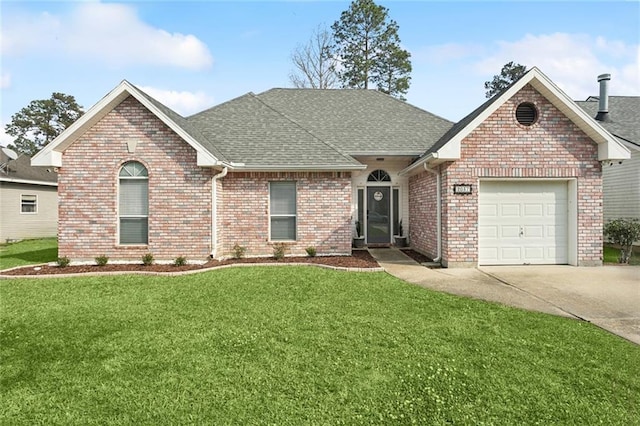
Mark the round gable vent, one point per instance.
(526, 114)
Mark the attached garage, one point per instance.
(524, 222)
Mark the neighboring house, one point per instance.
(28, 200)
(517, 181)
(620, 115)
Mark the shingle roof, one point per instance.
(624, 115)
(21, 169)
(360, 122)
(248, 130)
(184, 124)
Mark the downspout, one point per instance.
(438, 212)
(214, 211)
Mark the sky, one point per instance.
(192, 55)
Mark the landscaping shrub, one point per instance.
(102, 260)
(279, 250)
(148, 259)
(623, 232)
(238, 251)
(180, 261)
(63, 262)
(311, 251)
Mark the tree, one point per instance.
(315, 66)
(623, 232)
(37, 124)
(510, 72)
(368, 48)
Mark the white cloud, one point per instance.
(572, 61)
(5, 79)
(184, 103)
(108, 33)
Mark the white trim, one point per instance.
(51, 155)
(572, 211)
(289, 167)
(36, 204)
(214, 211)
(119, 216)
(609, 148)
(31, 182)
(295, 216)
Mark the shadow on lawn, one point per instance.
(28, 257)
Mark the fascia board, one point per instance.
(415, 167)
(286, 168)
(451, 149)
(30, 182)
(51, 155)
(204, 158)
(46, 156)
(609, 148)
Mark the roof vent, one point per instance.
(526, 114)
(603, 104)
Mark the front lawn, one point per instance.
(28, 252)
(298, 345)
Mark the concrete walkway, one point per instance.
(608, 297)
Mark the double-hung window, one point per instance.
(133, 205)
(282, 211)
(29, 204)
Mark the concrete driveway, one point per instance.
(607, 296)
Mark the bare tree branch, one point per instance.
(315, 66)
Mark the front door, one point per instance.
(378, 215)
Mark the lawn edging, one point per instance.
(5, 274)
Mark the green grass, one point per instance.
(611, 255)
(298, 345)
(28, 252)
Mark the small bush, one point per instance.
(238, 251)
(180, 261)
(311, 251)
(102, 260)
(63, 262)
(623, 232)
(279, 250)
(148, 259)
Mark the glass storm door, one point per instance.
(378, 215)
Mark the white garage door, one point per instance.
(522, 223)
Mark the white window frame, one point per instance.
(22, 203)
(120, 216)
(294, 215)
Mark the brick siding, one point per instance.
(423, 214)
(179, 190)
(323, 212)
(500, 147)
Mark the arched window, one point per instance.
(379, 176)
(133, 203)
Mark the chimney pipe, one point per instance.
(603, 104)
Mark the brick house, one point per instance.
(517, 181)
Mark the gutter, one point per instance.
(422, 161)
(214, 211)
(438, 212)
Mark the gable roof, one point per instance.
(448, 147)
(51, 155)
(255, 136)
(624, 116)
(20, 170)
(360, 122)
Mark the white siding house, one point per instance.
(28, 200)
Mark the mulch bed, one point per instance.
(358, 259)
